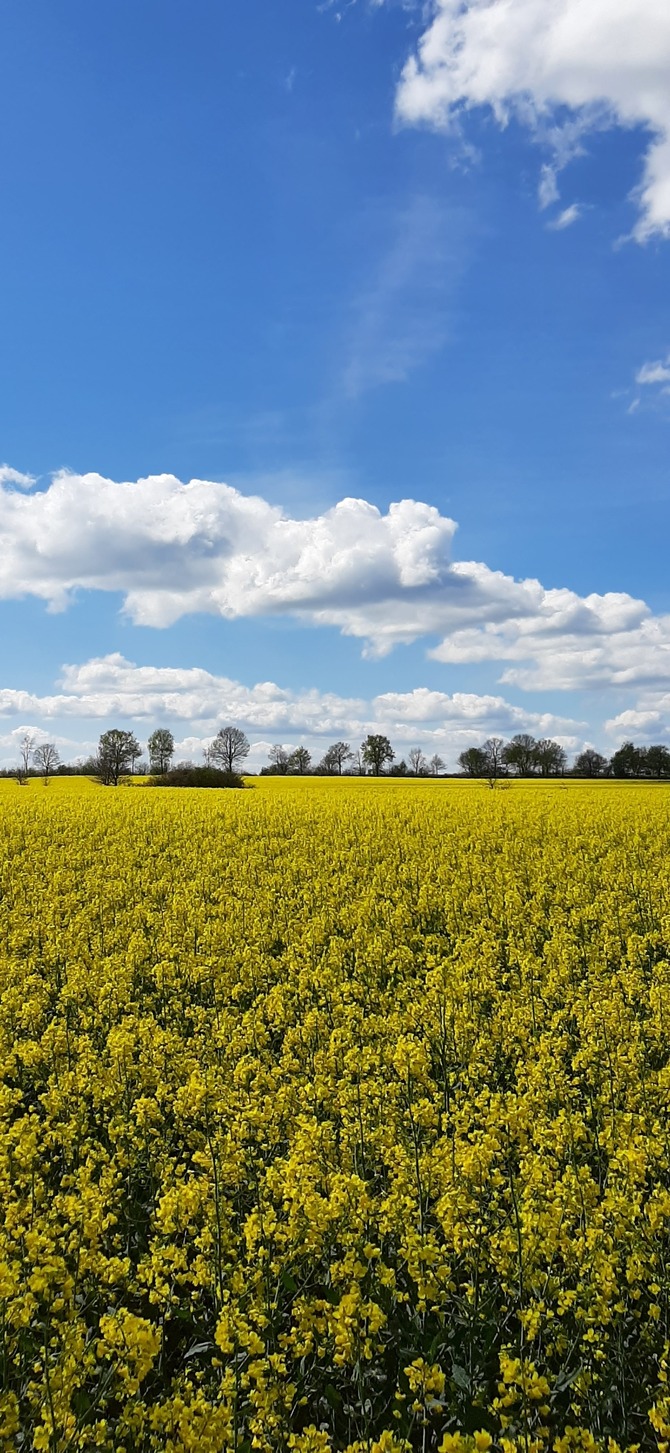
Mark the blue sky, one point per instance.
(305, 253)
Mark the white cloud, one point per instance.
(566, 218)
(647, 721)
(14, 476)
(174, 549)
(111, 689)
(653, 382)
(570, 642)
(604, 61)
(657, 372)
(384, 578)
(547, 191)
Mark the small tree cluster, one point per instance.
(36, 758)
(119, 753)
(374, 757)
(283, 763)
(523, 755)
(632, 761)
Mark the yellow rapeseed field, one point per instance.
(335, 1115)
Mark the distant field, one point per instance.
(335, 1114)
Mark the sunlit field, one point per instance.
(335, 1115)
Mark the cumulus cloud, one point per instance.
(602, 64)
(384, 578)
(647, 721)
(112, 689)
(173, 549)
(570, 642)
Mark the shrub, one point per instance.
(186, 775)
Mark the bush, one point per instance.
(185, 775)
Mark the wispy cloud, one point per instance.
(401, 317)
(657, 372)
(566, 217)
(547, 191)
(653, 384)
(14, 476)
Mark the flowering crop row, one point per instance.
(335, 1115)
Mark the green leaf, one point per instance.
(460, 1377)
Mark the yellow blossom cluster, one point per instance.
(335, 1118)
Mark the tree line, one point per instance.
(119, 754)
(374, 757)
(524, 756)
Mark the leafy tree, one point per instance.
(46, 758)
(116, 754)
(229, 748)
(335, 757)
(417, 762)
(376, 751)
(590, 763)
(626, 761)
(436, 765)
(521, 754)
(161, 750)
(550, 757)
(657, 761)
(279, 759)
(475, 762)
(299, 761)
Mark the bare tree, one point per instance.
(495, 750)
(417, 762)
(299, 761)
(436, 765)
(26, 751)
(279, 759)
(335, 757)
(46, 758)
(161, 750)
(135, 753)
(229, 749)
